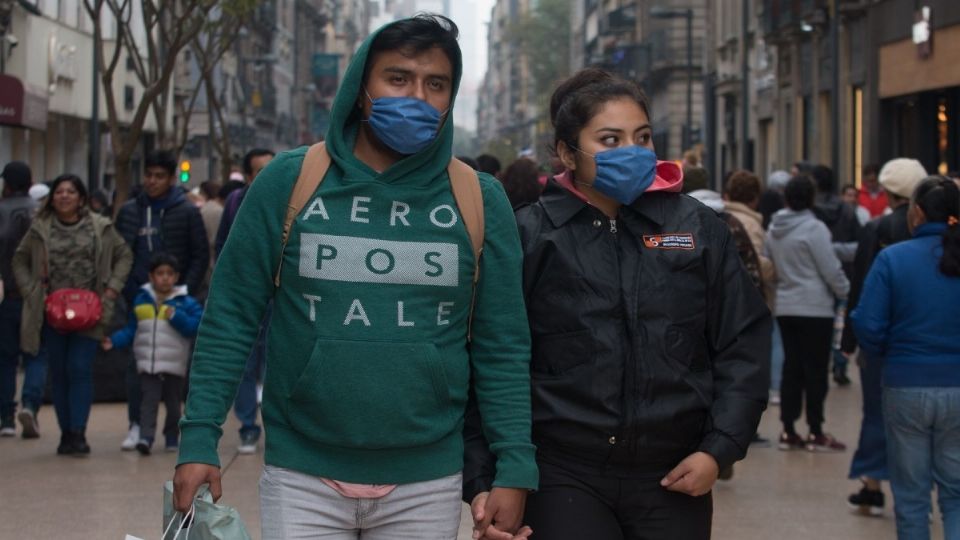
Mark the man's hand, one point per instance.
(694, 476)
(106, 343)
(497, 514)
(188, 479)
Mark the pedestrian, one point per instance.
(159, 220)
(899, 178)
(69, 247)
(650, 342)
(246, 403)
(851, 196)
(488, 164)
(521, 183)
(211, 211)
(809, 282)
(871, 195)
(17, 209)
(368, 365)
(162, 322)
(771, 200)
(741, 196)
(905, 316)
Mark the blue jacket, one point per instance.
(907, 313)
(161, 342)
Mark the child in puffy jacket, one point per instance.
(163, 321)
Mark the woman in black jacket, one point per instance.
(649, 369)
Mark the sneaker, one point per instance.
(28, 419)
(143, 446)
(790, 441)
(66, 445)
(8, 428)
(774, 398)
(867, 502)
(133, 436)
(840, 377)
(172, 444)
(80, 446)
(248, 443)
(824, 443)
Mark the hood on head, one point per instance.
(345, 123)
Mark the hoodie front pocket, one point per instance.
(372, 395)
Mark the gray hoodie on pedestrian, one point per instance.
(809, 276)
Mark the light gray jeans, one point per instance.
(297, 506)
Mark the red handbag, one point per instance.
(73, 310)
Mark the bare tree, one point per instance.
(169, 26)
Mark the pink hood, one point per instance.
(669, 178)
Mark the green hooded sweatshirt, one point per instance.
(368, 364)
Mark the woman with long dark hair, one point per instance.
(69, 247)
(907, 315)
(650, 343)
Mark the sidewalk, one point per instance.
(784, 495)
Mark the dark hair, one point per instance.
(415, 35)
(210, 189)
(161, 158)
(251, 155)
(869, 169)
(695, 178)
(17, 177)
(743, 187)
(804, 167)
(469, 161)
(163, 259)
(799, 193)
(578, 99)
(488, 164)
(939, 198)
(228, 188)
(521, 181)
(824, 178)
(77, 184)
(849, 186)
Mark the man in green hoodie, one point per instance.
(369, 363)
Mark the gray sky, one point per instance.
(472, 17)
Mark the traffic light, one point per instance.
(184, 171)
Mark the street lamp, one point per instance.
(687, 13)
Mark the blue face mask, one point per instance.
(624, 173)
(405, 124)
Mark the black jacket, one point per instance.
(180, 233)
(643, 351)
(874, 236)
(16, 214)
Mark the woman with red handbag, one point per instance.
(69, 268)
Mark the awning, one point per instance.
(20, 106)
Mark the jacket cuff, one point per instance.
(517, 467)
(198, 444)
(116, 284)
(721, 448)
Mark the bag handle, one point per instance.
(184, 522)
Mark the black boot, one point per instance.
(80, 446)
(66, 444)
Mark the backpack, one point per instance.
(463, 182)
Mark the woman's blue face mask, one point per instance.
(405, 124)
(624, 173)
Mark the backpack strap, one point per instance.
(315, 165)
(465, 185)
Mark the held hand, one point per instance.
(106, 344)
(110, 293)
(187, 480)
(694, 476)
(497, 515)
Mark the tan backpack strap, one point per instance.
(315, 164)
(465, 185)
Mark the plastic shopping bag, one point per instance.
(205, 520)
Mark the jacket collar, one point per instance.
(179, 290)
(929, 229)
(561, 203)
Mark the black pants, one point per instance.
(154, 388)
(578, 506)
(806, 348)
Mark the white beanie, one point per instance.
(900, 176)
(38, 191)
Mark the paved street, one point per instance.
(784, 495)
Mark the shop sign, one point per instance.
(923, 33)
(20, 106)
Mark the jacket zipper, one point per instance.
(149, 230)
(153, 347)
(613, 226)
